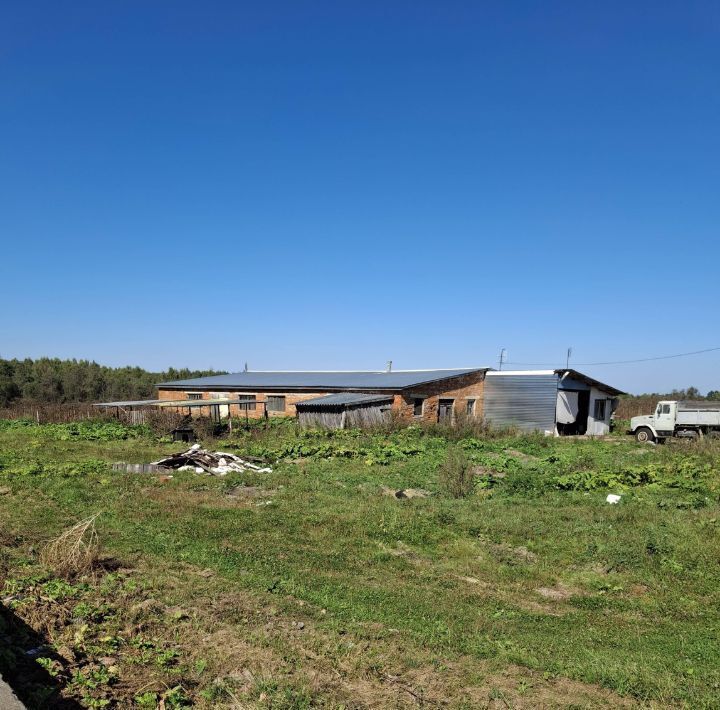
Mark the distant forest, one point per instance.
(57, 381)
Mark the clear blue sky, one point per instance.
(334, 184)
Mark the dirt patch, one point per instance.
(400, 549)
(178, 496)
(512, 555)
(486, 472)
(520, 455)
(405, 493)
(474, 581)
(244, 492)
(558, 593)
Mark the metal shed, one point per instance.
(552, 401)
(345, 409)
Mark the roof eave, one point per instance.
(589, 381)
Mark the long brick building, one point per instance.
(424, 395)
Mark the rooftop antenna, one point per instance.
(567, 359)
(388, 366)
(503, 352)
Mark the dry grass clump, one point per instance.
(75, 551)
(455, 475)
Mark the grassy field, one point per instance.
(314, 586)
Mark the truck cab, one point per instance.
(657, 426)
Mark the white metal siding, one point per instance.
(599, 427)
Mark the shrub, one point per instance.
(455, 475)
(75, 551)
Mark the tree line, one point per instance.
(633, 404)
(57, 381)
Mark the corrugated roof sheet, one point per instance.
(129, 403)
(363, 380)
(344, 399)
(204, 402)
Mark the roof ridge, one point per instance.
(373, 372)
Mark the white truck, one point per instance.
(671, 418)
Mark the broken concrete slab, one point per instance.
(218, 463)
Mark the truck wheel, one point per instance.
(643, 435)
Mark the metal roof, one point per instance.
(203, 402)
(590, 381)
(342, 399)
(286, 381)
(130, 403)
(574, 374)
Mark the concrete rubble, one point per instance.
(218, 463)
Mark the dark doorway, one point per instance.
(583, 411)
(445, 410)
(579, 426)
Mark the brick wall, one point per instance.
(459, 389)
(236, 410)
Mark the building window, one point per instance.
(194, 395)
(418, 406)
(470, 407)
(276, 403)
(249, 402)
(600, 409)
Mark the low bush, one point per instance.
(688, 474)
(83, 430)
(455, 475)
(74, 552)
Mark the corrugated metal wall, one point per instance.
(525, 401)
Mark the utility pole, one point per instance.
(502, 358)
(567, 359)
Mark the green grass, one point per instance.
(633, 587)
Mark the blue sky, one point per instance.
(332, 185)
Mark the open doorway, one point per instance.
(573, 407)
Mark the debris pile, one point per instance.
(216, 463)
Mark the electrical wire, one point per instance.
(615, 362)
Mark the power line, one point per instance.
(618, 362)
